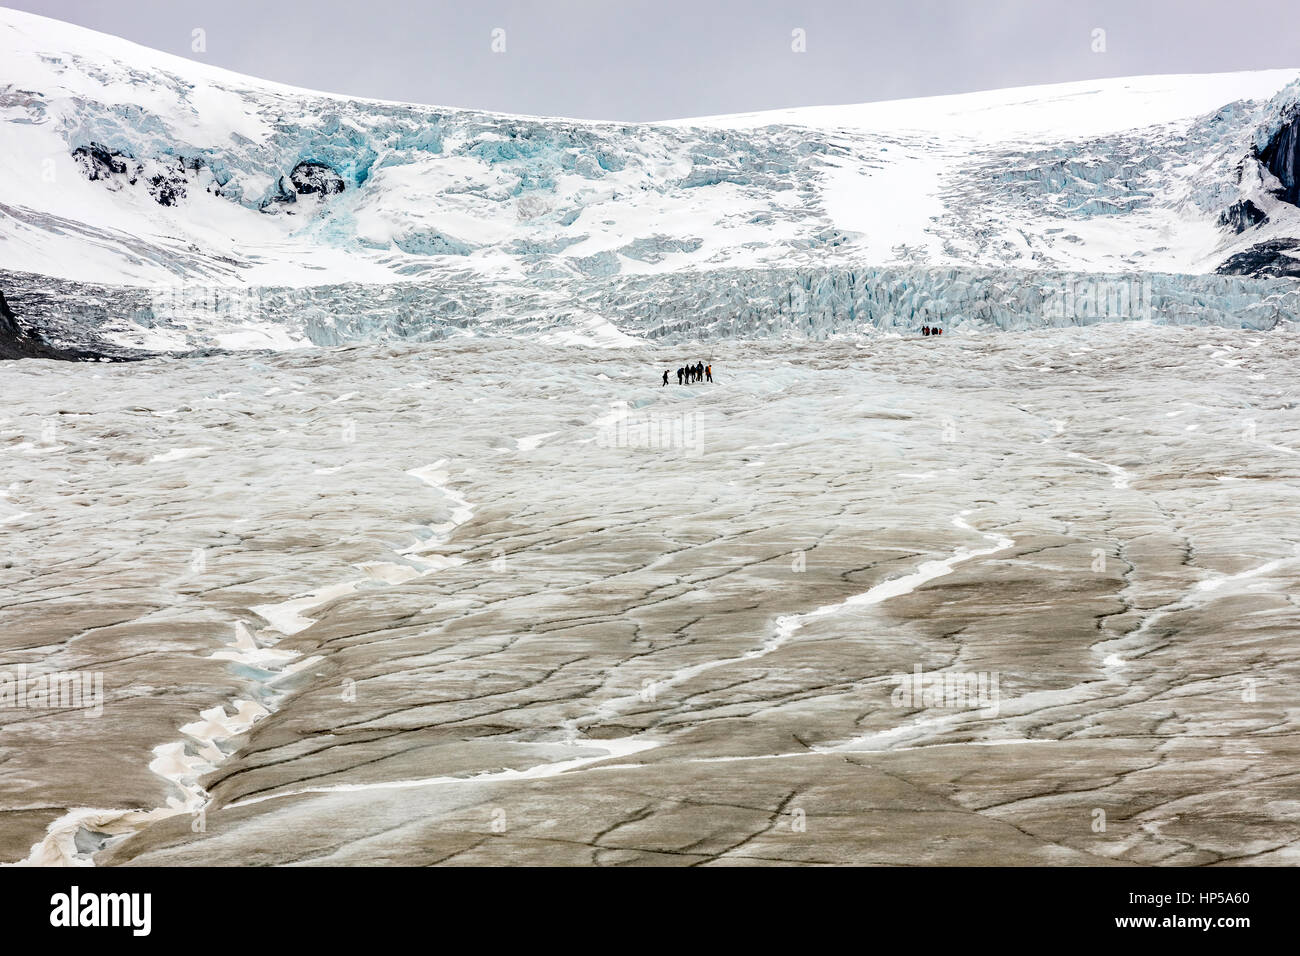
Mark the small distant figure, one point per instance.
(925, 330)
(680, 372)
(708, 373)
(936, 331)
(665, 377)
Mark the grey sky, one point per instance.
(660, 59)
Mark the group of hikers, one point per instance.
(699, 372)
(931, 330)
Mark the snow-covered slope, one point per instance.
(121, 165)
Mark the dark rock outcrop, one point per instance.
(167, 185)
(1268, 259)
(307, 179)
(1242, 215)
(8, 324)
(99, 163)
(165, 190)
(310, 178)
(1282, 158)
(165, 179)
(17, 342)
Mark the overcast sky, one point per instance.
(661, 59)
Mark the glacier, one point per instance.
(797, 304)
(153, 203)
(639, 618)
(394, 546)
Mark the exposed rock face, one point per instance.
(1272, 259)
(167, 186)
(1271, 173)
(1282, 158)
(310, 178)
(165, 179)
(99, 163)
(60, 339)
(8, 324)
(17, 342)
(1242, 215)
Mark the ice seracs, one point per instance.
(331, 219)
